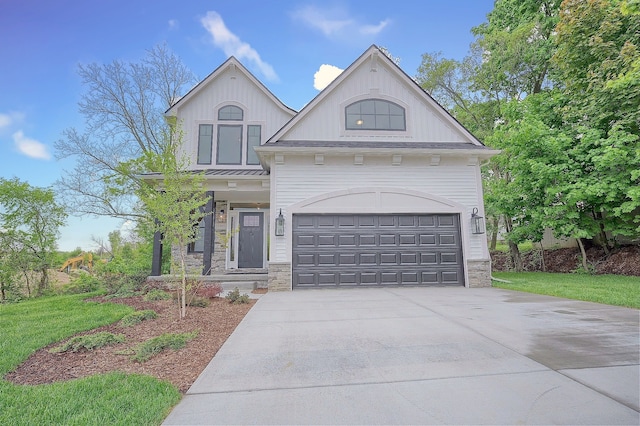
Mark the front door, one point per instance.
(251, 240)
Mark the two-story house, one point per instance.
(372, 183)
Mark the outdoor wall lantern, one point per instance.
(222, 216)
(280, 225)
(477, 222)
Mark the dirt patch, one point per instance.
(214, 323)
(620, 261)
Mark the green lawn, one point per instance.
(616, 290)
(112, 399)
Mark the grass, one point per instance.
(523, 247)
(615, 290)
(114, 398)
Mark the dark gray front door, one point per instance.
(251, 240)
(376, 250)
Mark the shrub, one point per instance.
(235, 297)
(209, 290)
(199, 302)
(156, 294)
(146, 350)
(124, 285)
(83, 283)
(137, 317)
(89, 342)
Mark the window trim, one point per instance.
(387, 101)
(235, 110)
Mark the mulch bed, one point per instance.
(214, 323)
(620, 261)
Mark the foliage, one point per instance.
(175, 200)
(29, 221)
(609, 289)
(83, 283)
(209, 290)
(556, 87)
(199, 302)
(155, 294)
(235, 297)
(89, 342)
(147, 349)
(598, 62)
(123, 285)
(137, 317)
(123, 107)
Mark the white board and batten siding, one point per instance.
(231, 87)
(453, 187)
(325, 122)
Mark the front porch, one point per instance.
(233, 243)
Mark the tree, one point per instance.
(509, 60)
(123, 111)
(176, 202)
(598, 63)
(29, 219)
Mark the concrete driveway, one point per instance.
(422, 356)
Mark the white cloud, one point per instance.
(374, 29)
(325, 75)
(318, 19)
(30, 147)
(335, 22)
(231, 44)
(173, 24)
(10, 119)
(5, 120)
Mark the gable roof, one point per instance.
(373, 53)
(234, 64)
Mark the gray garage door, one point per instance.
(376, 250)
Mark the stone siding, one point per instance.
(479, 272)
(279, 276)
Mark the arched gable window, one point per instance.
(230, 112)
(375, 114)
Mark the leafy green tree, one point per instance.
(598, 63)
(175, 200)
(29, 219)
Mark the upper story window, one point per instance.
(230, 112)
(229, 140)
(375, 114)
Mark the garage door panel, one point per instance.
(327, 278)
(368, 259)
(388, 258)
(368, 278)
(326, 240)
(348, 240)
(427, 239)
(449, 258)
(408, 259)
(446, 221)
(347, 259)
(388, 240)
(348, 278)
(370, 250)
(366, 240)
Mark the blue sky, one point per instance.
(283, 43)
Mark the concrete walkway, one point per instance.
(422, 356)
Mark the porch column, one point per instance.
(156, 258)
(208, 234)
